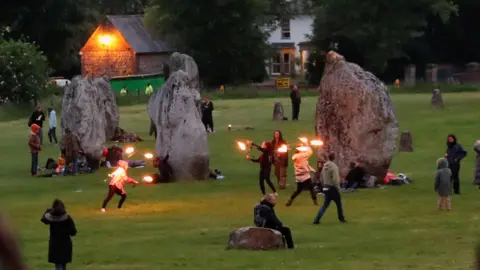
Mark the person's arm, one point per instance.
(44, 220)
(437, 181)
(270, 217)
(131, 180)
(211, 106)
(460, 153)
(73, 228)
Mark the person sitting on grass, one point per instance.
(119, 178)
(265, 160)
(264, 217)
(62, 227)
(35, 147)
(443, 185)
(354, 177)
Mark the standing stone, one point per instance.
(278, 111)
(431, 73)
(355, 117)
(90, 111)
(406, 142)
(181, 134)
(437, 99)
(410, 75)
(253, 238)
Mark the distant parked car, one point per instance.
(60, 82)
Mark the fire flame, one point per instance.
(303, 148)
(303, 139)
(148, 179)
(283, 149)
(316, 142)
(118, 171)
(129, 150)
(148, 155)
(242, 146)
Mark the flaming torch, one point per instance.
(283, 149)
(244, 146)
(303, 148)
(148, 155)
(303, 140)
(130, 151)
(148, 179)
(316, 143)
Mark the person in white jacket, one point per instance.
(302, 173)
(52, 125)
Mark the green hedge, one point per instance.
(135, 83)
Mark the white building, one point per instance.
(291, 46)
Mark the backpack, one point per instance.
(257, 218)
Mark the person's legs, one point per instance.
(122, 200)
(34, 163)
(295, 193)
(50, 136)
(440, 203)
(59, 266)
(287, 234)
(294, 111)
(204, 121)
(210, 123)
(277, 173)
(111, 192)
(297, 112)
(309, 185)
(266, 176)
(74, 166)
(261, 182)
(283, 177)
(338, 201)
(54, 134)
(455, 168)
(448, 203)
(323, 209)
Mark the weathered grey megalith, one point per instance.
(253, 238)
(355, 117)
(278, 111)
(406, 142)
(180, 133)
(437, 99)
(90, 111)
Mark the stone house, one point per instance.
(122, 46)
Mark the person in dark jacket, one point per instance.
(476, 177)
(265, 211)
(71, 149)
(455, 154)
(38, 117)
(62, 228)
(10, 255)
(354, 178)
(265, 160)
(207, 114)
(317, 178)
(443, 184)
(296, 101)
(280, 158)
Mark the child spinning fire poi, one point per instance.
(118, 178)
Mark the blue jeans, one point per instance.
(74, 167)
(34, 163)
(332, 194)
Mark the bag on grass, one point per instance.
(257, 218)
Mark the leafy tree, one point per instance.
(227, 38)
(377, 30)
(23, 71)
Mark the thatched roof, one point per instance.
(135, 33)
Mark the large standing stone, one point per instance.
(278, 111)
(253, 238)
(90, 111)
(180, 133)
(437, 99)
(406, 142)
(355, 117)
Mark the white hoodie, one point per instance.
(52, 119)
(301, 165)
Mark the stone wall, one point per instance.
(117, 63)
(151, 63)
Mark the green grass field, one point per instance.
(186, 225)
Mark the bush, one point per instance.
(23, 71)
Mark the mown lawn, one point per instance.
(186, 225)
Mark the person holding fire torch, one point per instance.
(265, 160)
(280, 158)
(118, 179)
(302, 172)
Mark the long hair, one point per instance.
(454, 138)
(58, 208)
(280, 135)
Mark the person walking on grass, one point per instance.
(443, 185)
(38, 117)
(52, 125)
(331, 188)
(207, 114)
(302, 173)
(35, 147)
(454, 155)
(265, 217)
(119, 178)
(280, 159)
(265, 160)
(62, 228)
(296, 101)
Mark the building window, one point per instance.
(286, 63)
(285, 28)
(276, 64)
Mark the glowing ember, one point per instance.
(316, 142)
(129, 150)
(303, 148)
(242, 146)
(283, 149)
(148, 155)
(229, 126)
(118, 171)
(148, 179)
(303, 139)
